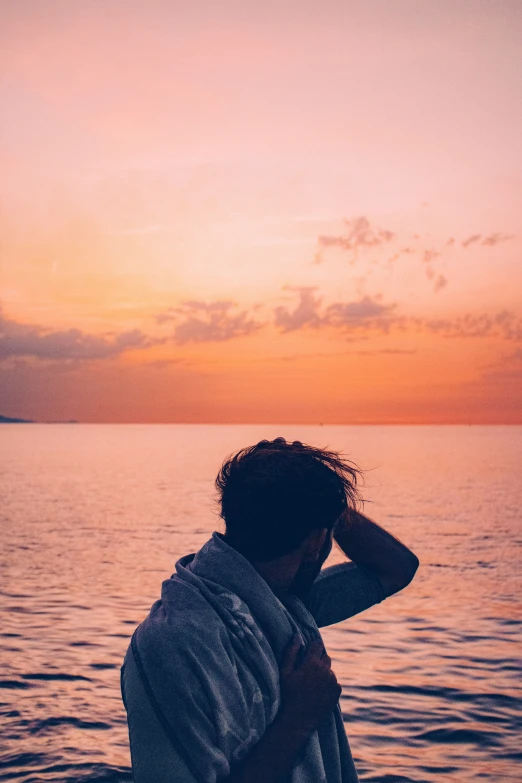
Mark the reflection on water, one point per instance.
(94, 518)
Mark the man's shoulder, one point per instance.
(180, 621)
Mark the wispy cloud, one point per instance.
(370, 315)
(162, 364)
(305, 313)
(505, 324)
(19, 339)
(334, 354)
(487, 241)
(439, 281)
(364, 312)
(471, 240)
(344, 315)
(198, 321)
(359, 234)
(495, 239)
(362, 235)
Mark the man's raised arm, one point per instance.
(369, 545)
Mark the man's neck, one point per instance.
(279, 574)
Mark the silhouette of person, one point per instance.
(227, 679)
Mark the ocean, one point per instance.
(94, 517)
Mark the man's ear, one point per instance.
(313, 544)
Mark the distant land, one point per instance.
(9, 420)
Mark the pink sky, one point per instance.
(287, 212)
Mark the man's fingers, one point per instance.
(290, 655)
(315, 649)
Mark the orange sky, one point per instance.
(245, 212)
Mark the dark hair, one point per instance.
(273, 494)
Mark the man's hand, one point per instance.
(310, 691)
(308, 694)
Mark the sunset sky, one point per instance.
(238, 211)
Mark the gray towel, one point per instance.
(210, 651)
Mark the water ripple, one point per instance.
(431, 677)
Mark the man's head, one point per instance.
(277, 497)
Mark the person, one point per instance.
(227, 679)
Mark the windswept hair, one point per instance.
(273, 494)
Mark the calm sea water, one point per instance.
(93, 519)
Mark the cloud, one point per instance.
(370, 315)
(359, 233)
(333, 354)
(363, 312)
(439, 281)
(197, 321)
(162, 364)
(487, 241)
(495, 239)
(430, 255)
(366, 312)
(304, 314)
(505, 324)
(385, 248)
(217, 321)
(18, 339)
(471, 240)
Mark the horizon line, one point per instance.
(369, 423)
